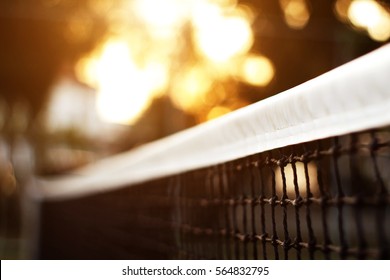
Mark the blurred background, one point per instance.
(85, 79)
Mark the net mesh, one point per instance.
(326, 199)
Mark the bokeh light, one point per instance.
(296, 13)
(257, 70)
(124, 89)
(163, 17)
(217, 112)
(341, 8)
(221, 37)
(371, 16)
(190, 89)
(183, 49)
(368, 15)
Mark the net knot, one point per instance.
(274, 240)
(297, 243)
(264, 236)
(273, 200)
(249, 238)
(262, 199)
(374, 144)
(335, 150)
(284, 200)
(286, 244)
(317, 154)
(250, 201)
(282, 162)
(245, 200)
(240, 236)
(312, 243)
(304, 158)
(291, 158)
(298, 201)
(323, 200)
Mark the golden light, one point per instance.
(220, 37)
(157, 74)
(300, 177)
(86, 69)
(124, 90)
(190, 89)
(218, 112)
(218, 93)
(78, 28)
(146, 58)
(364, 13)
(50, 3)
(341, 8)
(100, 7)
(296, 13)
(163, 17)
(370, 15)
(257, 70)
(381, 31)
(225, 3)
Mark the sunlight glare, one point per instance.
(124, 90)
(148, 51)
(163, 17)
(158, 76)
(222, 37)
(225, 3)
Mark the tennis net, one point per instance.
(301, 175)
